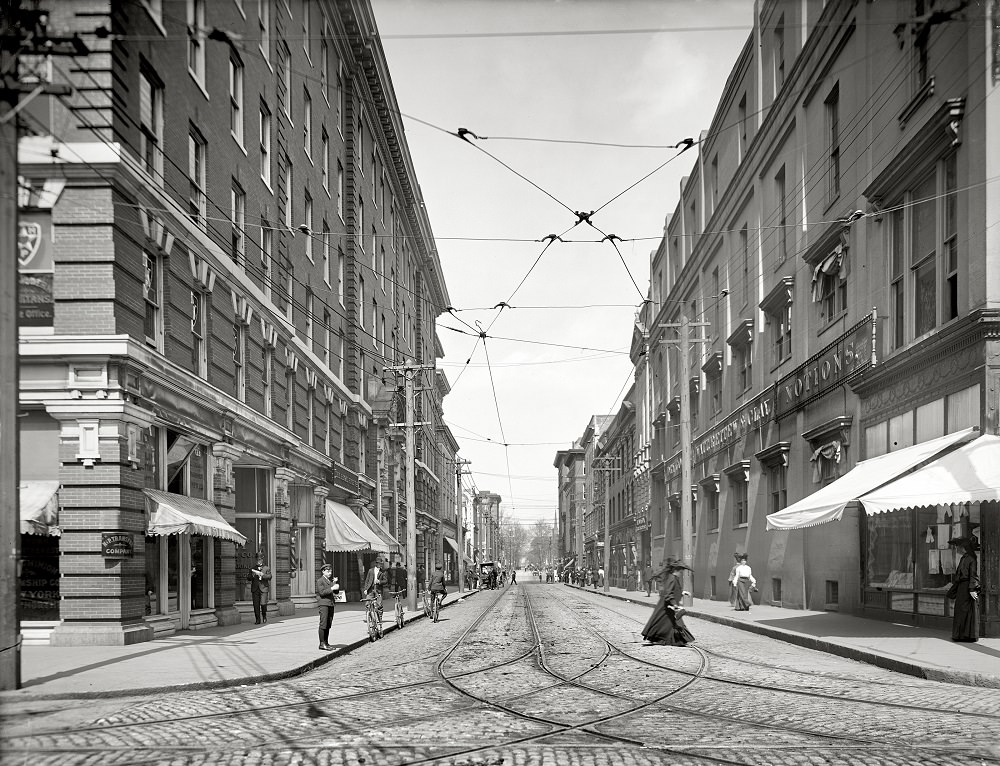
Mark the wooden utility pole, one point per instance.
(606, 465)
(687, 517)
(10, 532)
(409, 372)
(459, 532)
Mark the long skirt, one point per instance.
(732, 593)
(964, 626)
(743, 600)
(665, 628)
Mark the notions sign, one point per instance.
(852, 353)
(117, 545)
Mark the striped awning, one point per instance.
(345, 532)
(39, 506)
(372, 523)
(170, 514)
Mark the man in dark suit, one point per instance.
(327, 589)
(260, 586)
(375, 581)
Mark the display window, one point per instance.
(255, 521)
(179, 568)
(908, 550)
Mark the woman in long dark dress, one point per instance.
(965, 591)
(664, 626)
(744, 581)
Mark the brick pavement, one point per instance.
(470, 690)
(224, 656)
(916, 651)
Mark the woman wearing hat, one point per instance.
(965, 590)
(744, 580)
(666, 626)
(732, 580)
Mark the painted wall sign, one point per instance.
(35, 305)
(740, 422)
(852, 353)
(117, 545)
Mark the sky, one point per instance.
(610, 86)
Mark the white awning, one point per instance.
(372, 523)
(345, 532)
(453, 544)
(39, 505)
(968, 474)
(827, 504)
(170, 514)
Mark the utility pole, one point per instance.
(22, 33)
(687, 517)
(409, 372)
(460, 534)
(605, 465)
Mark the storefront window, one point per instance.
(890, 554)
(152, 575)
(39, 577)
(201, 563)
(255, 521)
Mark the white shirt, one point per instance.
(743, 570)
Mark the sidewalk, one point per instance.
(914, 651)
(217, 657)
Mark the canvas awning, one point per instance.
(39, 504)
(968, 474)
(345, 532)
(454, 545)
(827, 504)
(372, 523)
(170, 514)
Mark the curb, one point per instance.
(16, 695)
(942, 675)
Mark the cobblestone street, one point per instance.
(537, 674)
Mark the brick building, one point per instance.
(223, 248)
(838, 233)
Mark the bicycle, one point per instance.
(436, 599)
(397, 597)
(373, 619)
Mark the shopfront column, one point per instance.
(224, 497)
(102, 599)
(280, 587)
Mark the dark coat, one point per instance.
(326, 591)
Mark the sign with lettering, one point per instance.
(35, 305)
(740, 422)
(852, 353)
(117, 545)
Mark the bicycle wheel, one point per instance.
(399, 614)
(435, 607)
(372, 630)
(378, 624)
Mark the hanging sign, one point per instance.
(117, 545)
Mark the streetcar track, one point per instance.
(424, 753)
(862, 741)
(804, 692)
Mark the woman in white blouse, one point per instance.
(744, 580)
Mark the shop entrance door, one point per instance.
(303, 560)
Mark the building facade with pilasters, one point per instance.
(834, 249)
(224, 246)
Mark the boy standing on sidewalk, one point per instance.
(327, 589)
